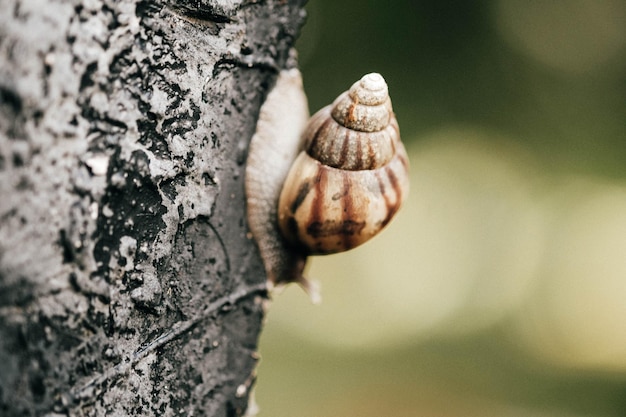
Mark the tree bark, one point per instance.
(128, 282)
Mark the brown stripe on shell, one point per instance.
(359, 155)
(350, 118)
(373, 149)
(318, 141)
(343, 154)
(392, 180)
(292, 226)
(348, 226)
(345, 231)
(303, 191)
(404, 160)
(317, 207)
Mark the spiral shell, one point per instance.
(352, 176)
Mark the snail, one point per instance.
(326, 185)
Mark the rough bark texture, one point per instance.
(128, 282)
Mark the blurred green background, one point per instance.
(500, 289)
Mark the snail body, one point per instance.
(348, 178)
(273, 148)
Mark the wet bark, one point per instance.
(128, 282)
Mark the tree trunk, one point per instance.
(129, 285)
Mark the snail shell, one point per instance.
(352, 176)
(327, 187)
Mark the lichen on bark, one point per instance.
(128, 283)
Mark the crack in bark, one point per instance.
(222, 244)
(73, 397)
